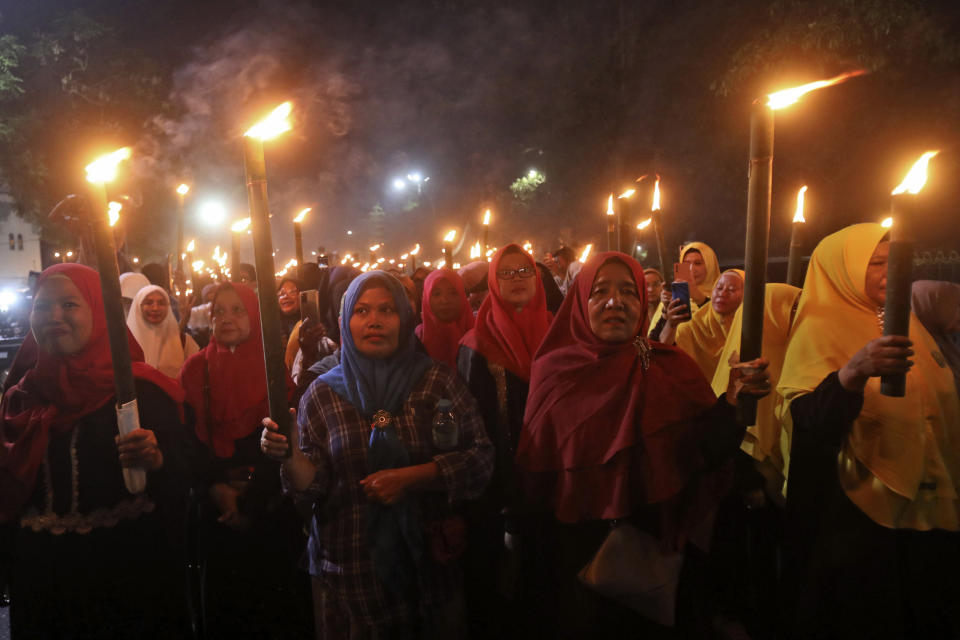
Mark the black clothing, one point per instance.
(111, 565)
(845, 576)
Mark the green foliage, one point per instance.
(11, 85)
(870, 34)
(524, 189)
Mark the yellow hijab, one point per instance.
(705, 287)
(895, 444)
(762, 440)
(703, 337)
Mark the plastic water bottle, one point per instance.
(446, 427)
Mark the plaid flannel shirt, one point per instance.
(335, 437)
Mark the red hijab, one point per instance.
(442, 339)
(601, 436)
(56, 391)
(501, 334)
(237, 383)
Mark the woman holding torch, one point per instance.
(88, 559)
(387, 441)
(872, 511)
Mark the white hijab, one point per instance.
(131, 282)
(160, 342)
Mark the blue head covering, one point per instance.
(370, 384)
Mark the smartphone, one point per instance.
(681, 291)
(682, 272)
(308, 305)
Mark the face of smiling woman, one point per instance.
(375, 324)
(61, 320)
(615, 305)
(154, 307)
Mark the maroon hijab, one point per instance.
(504, 336)
(602, 436)
(56, 391)
(237, 383)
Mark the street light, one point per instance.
(213, 213)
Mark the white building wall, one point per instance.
(16, 263)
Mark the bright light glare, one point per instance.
(7, 299)
(183, 189)
(113, 212)
(887, 223)
(414, 177)
(213, 213)
(240, 225)
(399, 184)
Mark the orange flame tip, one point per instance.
(798, 216)
(655, 206)
(917, 176)
(302, 215)
(273, 125)
(787, 97)
(104, 168)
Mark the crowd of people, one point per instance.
(521, 448)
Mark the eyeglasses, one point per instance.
(510, 274)
(288, 293)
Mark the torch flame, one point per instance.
(475, 250)
(192, 245)
(404, 256)
(197, 265)
(644, 224)
(240, 225)
(104, 168)
(451, 236)
(887, 223)
(626, 194)
(113, 212)
(291, 264)
(917, 176)
(610, 210)
(415, 250)
(301, 215)
(486, 218)
(656, 196)
(798, 216)
(183, 189)
(586, 252)
(273, 125)
(787, 97)
(528, 247)
(375, 247)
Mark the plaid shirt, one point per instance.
(335, 437)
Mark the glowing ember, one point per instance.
(240, 225)
(787, 97)
(183, 189)
(113, 212)
(798, 216)
(917, 176)
(610, 210)
(644, 224)
(586, 252)
(451, 236)
(301, 215)
(104, 168)
(486, 218)
(887, 223)
(656, 196)
(273, 125)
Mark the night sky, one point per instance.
(475, 94)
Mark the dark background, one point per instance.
(474, 94)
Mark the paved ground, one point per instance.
(4, 624)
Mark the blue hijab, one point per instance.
(368, 384)
(393, 536)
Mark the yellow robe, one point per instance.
(900, 464)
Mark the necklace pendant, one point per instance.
(644, 350)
